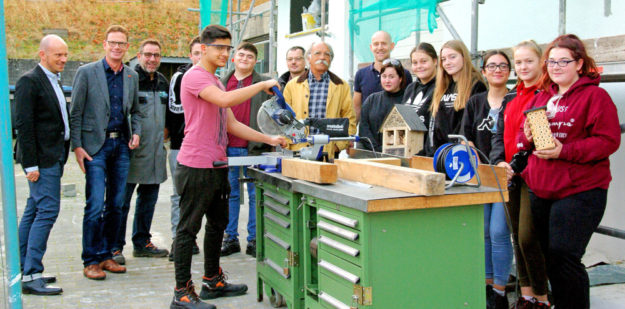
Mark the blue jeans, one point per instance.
(42, 209)
(234, 201)
(497, 244)
(106, 178)
(144, 212)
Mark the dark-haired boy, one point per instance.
(243, 75)
(203, 188)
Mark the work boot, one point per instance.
(523, 303)
(39, 287)
(230, 246)
(218, 287)
(499, 301)
(186, 298)
(119, 257)
(150, 250)
(251, 248)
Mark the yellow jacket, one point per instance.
(339, 105)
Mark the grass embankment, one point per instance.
(169, 21)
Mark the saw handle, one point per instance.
(281, 102)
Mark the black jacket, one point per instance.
(40, 127)
(174, 115)
(422, 93)
(283, 79)
(447, 120)
(497, 151)
(373, 112)
(479, 125)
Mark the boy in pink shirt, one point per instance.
(203, 188)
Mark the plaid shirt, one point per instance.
(318, 97)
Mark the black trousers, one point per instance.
(564, 228)
(203, 192)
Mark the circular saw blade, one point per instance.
(266, 124)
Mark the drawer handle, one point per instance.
(339, 246)
(277, 268)
(277, 208)
(337, 230)
(333, 301)
(339, 272)
(277, 220)
(278, 241)
(278, 198)
(337, 218)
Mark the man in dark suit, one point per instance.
(105, 122)
(42, 147)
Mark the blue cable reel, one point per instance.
(458, 162)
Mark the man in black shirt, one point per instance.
(174, 129)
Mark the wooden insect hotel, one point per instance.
(539, 125)
(403, 132)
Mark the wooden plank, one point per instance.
(485, 171)
(392, 177)
(313, 171)
(390, 161)
(438, 201)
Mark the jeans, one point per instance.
(564, 228)
(203, 193)
(42, 209)
(497, 244)
(235, 196)
(105, 178)
(144, 212)
(175, 198)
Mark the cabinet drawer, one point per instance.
(340, 248)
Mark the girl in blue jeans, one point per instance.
(479, 123)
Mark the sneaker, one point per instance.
(119, 257)
(540, 305)
(499, 301)
(251, 248)
(187, 299)
(218, 287)
(150, 250)
(523, 303)
(230, 246)
(196, 249)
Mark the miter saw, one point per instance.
(276, 117)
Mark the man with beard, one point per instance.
(319, 93)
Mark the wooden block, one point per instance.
(313, 171)
(390, 161)
(393, 177)
(486, 173)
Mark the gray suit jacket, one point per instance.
(91, 106)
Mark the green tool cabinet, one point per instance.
(372, 247)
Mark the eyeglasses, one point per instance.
(150, 55)
(552, 106)
(391, 61)
(561, 63)
(294, 59)
(221, 47)
(115, 43)
(491, 67)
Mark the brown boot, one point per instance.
(94, 272)
(112, 266)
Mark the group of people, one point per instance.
(120, 118)
(557, 196)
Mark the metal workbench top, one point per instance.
(368, 198)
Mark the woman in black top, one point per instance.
(456, 80)
(378, 105)
(419, 93)
(479, 123)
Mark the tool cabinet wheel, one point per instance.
(276, 300)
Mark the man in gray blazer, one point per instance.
(105, 125)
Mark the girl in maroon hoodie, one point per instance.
(569, 182)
